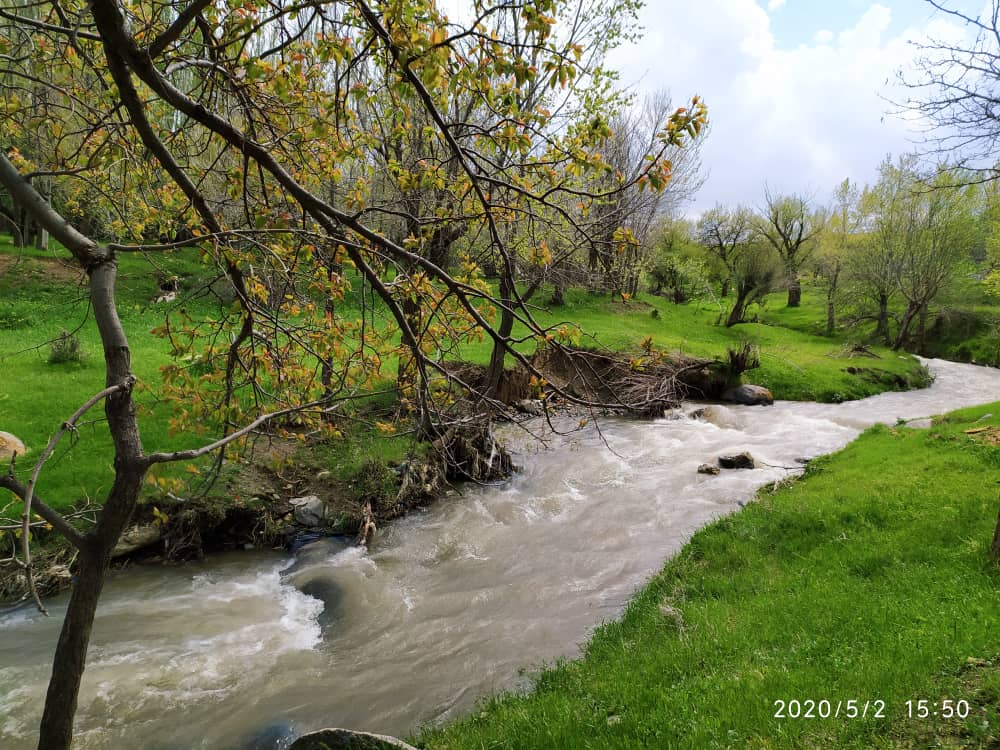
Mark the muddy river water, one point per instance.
(448, 605)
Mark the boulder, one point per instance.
(708, 469)
(739, 461)
(137, 538)
(9, 445)
(749, 395)
(345, 739)
(309, 510)
(530, 406)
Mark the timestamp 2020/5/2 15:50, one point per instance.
(867, 709)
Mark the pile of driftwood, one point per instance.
(647, 384)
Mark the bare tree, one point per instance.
(953, 88)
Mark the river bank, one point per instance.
(448, 604)
(853, 608)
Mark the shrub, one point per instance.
(65, 348)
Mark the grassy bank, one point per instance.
(866, 580)
(964, 325)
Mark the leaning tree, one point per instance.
(240, 131)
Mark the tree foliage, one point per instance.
(307, 151)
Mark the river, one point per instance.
(449, 604)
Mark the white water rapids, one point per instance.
(448, 605)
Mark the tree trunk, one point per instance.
(882, 324)
(71, 655)
(794, 291)
(557, 296)
(831, 299)
(904, 327)
(494, 373)
(725, 289)
(922, 329)
(738, 312)
(56, 730)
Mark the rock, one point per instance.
(309, 510)
(739, 461)
(345, 739)
(749, 395)
(708, 469)
(136, 539)
(9, 445)
(530, 406)
(702, 413)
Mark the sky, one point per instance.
(796, 89)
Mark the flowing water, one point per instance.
(448, 605)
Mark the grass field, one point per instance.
(866, 580)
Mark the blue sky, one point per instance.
(796, 89)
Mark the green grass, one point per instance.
(38, 300)
(868, 579)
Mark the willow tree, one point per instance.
(238, 130)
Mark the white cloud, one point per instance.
(773, 5)
(801, 118)
(823, 36)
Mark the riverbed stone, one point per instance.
(708, 469)
(9, 445)
(530, 406)
(345, 739)
(738, 461)
(309, 510)
(137, 538)
(749, 395)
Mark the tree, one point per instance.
(724, 233)
(844, 223)
(922, 226)
(677, 268)
(237, 131)
(789, 225)
(953, 88)
(754, 272)
(632, 200)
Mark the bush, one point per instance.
(65, 348)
